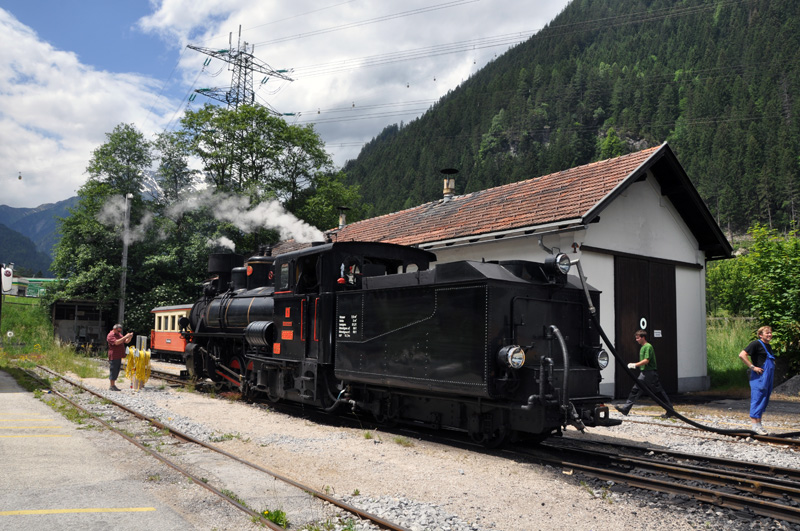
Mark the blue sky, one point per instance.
(74, 69)
(99, 32)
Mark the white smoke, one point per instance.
(113, 214)
(225, 207)
(222, 241)
(113, 211)
(237, 211)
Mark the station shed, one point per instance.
(82, 322)
(638, 225)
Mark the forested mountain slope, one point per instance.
(718, 80)
(38, 224)
(19, 249)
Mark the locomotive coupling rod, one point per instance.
(237, 376)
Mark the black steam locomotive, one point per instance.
(489, 348)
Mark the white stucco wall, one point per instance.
(641, 222)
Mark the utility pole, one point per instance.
(125, 238)
(243, 64)
(6, 281)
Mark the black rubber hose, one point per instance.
(652, 395)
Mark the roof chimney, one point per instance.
(342, 216)
(449, 183)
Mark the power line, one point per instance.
(244, 63)
(409, 55)
(422, 53)
(369, 21)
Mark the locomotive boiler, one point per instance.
(489, 348)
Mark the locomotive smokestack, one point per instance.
(343, 216)
(449, 183)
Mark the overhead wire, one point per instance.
(408, 55)
(485, 42)
(278, 21)
(163, 87)
(480, 43)
(368, 21)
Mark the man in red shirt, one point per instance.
(116, 353)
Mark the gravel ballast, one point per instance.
(431, 486)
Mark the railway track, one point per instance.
(142, 438)
(748, 489)
(784, 439)
(752, 489)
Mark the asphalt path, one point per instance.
(56, 475)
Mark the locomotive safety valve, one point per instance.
(512, 356)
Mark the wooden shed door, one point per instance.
(644, 294)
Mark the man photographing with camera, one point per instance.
(116, 353)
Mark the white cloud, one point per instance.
(54, 110)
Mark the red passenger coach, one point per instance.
(165, 337)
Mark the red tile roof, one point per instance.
(566, 195)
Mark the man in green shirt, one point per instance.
(648, 376)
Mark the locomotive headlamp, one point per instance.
(512, 356)
(602, 358)
(558, 264)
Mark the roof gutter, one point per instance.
(570, 225)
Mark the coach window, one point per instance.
(158, 323)
(172, 323)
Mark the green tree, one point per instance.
(321, 208)
(121, 161)
(300, 162)
(764, 283)
(173, 173)
(727, 287)
(88, 254)
(611, 146)
(251, 151)
(773, 266)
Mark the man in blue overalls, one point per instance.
(761, 364)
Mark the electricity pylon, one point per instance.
(243, 64)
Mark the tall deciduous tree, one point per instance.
(121, 161)
(173, 174)
(88, 253)
(250, 151)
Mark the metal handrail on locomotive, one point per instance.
(166, 341)
(493, 348)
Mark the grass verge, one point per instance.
(27, 341)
